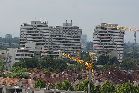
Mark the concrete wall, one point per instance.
(21, 90)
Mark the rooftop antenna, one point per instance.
(71, 22)
(66, 21)
(35, 19)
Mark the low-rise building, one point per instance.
(8, 56)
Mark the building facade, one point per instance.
(9, 36)
(9, 42)
(34, 39)
(39, 39)
(109, 39)
(8, 57)
(84, 42)
(89, 46)
(66, 38)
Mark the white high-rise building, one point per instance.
(34, 39)
(109, 39)
(66, 38)
(39, 39)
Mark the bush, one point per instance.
(40, 83)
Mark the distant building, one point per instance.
(9, 42)
(8, 56)
(83, 42)
(39, 39)
(0, 39)
(8, 36)
(89, 46)
(108, 39)
(1, 43)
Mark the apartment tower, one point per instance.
(109, 39)
(39, 39)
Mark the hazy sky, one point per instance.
(84, 13)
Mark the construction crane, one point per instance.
(88, 64)
(131, 29)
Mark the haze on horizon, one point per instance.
(85, 13)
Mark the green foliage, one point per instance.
(27, 63)
(53, 64)
(40, 83)
(65, 85)
(46, 71)
(19, 69)
(102, 60)
(85, 56)
(83, 86)
(48, 63)
(18, 72)
(131, 51)
(113, 61)
(131, 57)
(106, 60)
(127, 88)
(128, 65)
(1, 65)
(75, 66)
(107, 87)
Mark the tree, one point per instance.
(113, 61)
(65, 85)
(103, 60)
(31, 63)
(108, 87)
(40, 83)
(127, 88)
(1, 68)
(107, 60)
(1, 65)
(27, 63)
(85, 56)
(83, 86)
(53, 65)
(59, 86)
(128, 65)
(18, 72)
